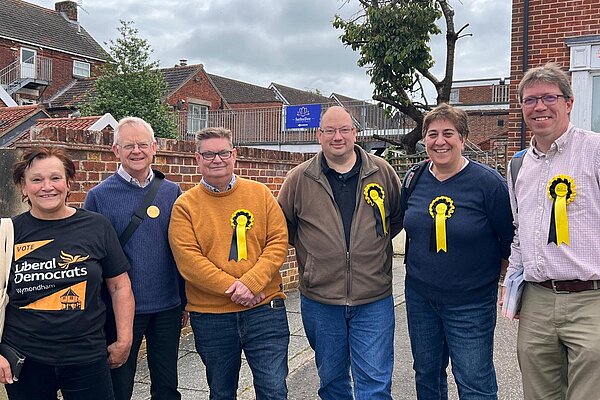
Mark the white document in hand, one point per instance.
(512, 296)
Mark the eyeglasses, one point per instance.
(344, 131)
(223, 155)
(130, 147)
(547, 99)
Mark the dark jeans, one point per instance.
(358, 338)
(76, 382)
(262, 333)
(162, 331)
(462, 333)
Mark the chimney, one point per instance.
(183, 62)
(68, 7)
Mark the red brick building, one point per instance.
(42, 50)
(565, 32)
(486, 102)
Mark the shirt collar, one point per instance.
(125, 175)
(214, 189)
(558, 145)
(355, 168)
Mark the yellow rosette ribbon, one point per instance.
(561, 190)
(374, 195)
(241, 221)
(440, 209)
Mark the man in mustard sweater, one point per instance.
(229, 239)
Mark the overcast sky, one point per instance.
(291, 42)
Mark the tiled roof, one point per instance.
(178, 75)
(296, 96)
(80, 123)
(72, 95)
(241, 92)
(11, 117)
(14, 121)
(26, 22)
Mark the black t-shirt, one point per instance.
(55, 313)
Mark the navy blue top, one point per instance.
(154, 277)
(478, 234)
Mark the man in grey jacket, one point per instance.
(343, 208)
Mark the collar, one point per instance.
(465, 163)
(125, 175)
(354, 170)
(314, 168)
(214, 189)
(557, 146)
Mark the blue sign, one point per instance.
(305, 116)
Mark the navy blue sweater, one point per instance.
(154, 276)
(478, 233)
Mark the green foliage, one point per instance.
(130, 85)
(393, 41)
(392, 38)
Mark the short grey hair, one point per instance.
(132, 121)
(215, 132)
(550, 73)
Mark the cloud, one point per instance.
(289, 42)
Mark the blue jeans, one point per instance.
(162, 331)
(465, 334)
(360, 338)
(39, 381)
(262, 333)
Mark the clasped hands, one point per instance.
(240, 294)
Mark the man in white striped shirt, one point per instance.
(558, 195)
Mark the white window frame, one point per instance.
(197, 117)
(584, 65)
(81, 69)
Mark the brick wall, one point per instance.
(95, 162)
(550, 22)
(485, 125)
(475, 95)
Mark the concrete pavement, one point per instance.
(303, 381)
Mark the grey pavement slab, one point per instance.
(303, 381)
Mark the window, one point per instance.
(81, 69)
(197, 117)
(454, 95)
(596, 103)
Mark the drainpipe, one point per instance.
(525, 63)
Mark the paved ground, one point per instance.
(303, 381)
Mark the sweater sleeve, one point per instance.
(90, 202)
(275, 251)
(195, 268)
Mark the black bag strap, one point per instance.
(408, 185)
(140, 213)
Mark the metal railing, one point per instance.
(500, 93)
(266, 125)
(12, 72)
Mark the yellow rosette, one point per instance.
(440, 209)
(561, 190)
(374, 195)
(241, 221)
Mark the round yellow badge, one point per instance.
(153, 211)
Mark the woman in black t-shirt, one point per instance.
(55, 315)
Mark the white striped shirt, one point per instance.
(577, 154)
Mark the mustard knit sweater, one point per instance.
(200, 234)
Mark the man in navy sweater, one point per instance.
(154, 278)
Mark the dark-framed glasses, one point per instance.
(223, 155)
(547, 99)
(344, 131)
(131, 146)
